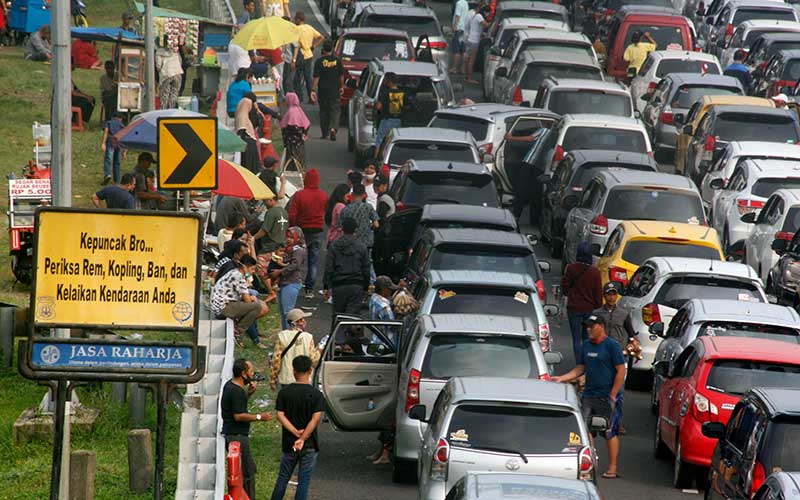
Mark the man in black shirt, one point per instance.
(236, 419)
(389, 108)
(300, 406)
(327, 88)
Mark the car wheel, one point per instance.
(701, 477)
(660, 449)
(682, 473)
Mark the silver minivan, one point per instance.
(492, 424)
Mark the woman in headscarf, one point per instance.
(291, 276)
(582, 286)
(336, 202)
(251, 158)
(294, 127)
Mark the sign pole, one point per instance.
(58, 436)
(162, 391)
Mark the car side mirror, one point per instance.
(569, 202)
(551, 310)
(596, 251)
(713, 430)
(748, 218)
(417, 412)
(350, 83)
(646, 97)
(661, 368)
(544, 266)
(718, 183)
(598, 425)
(501, 72)
(687, 129)
(657, 329)
(553, 357)
(678, 118)
(637, 114)
(779, 246)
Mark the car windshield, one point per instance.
(587, 171)
(414, 25)
(756, 127)
(736, 376)
(533, 14)
(618, 4)
(526, 430)
(766, 186)
(478, 127)
(677, 291)
(445, 187)
(478, 300)
(465, 355)
(536, 72)
(610, 139)
(668, 66)
(367, 49)
(565, 48)
(444, 224)
(578, 101)
(792, 221)
(654, 204)
(638, 251)
(743, 15)
(689, 94)
(422, 151)
(666, 37)
(498, 259)
(783, 443)
(749, 330)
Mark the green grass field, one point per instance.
(25, 470)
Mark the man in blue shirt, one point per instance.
(117, 196)
(738, 70)
(602, 362)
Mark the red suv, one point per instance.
(704, 384)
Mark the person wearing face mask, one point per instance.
(293, 341)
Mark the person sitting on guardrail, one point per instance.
(230, 298)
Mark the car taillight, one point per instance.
(412, 392)
(759, 476)
(438, 45)
(784, 83)
(703, 408)
(667, 118)
(729, 31)
(708, 148)
(650, 314)
(618, 274)
(599, 225)
(557, 156)
(746, 206)
(488, 148)
(544, 376)
(541, 291)
(651, 87)
(701, 7)
(517, 99)
(400, 206)
(585, 463)
(544, 336)
(441, 455)
(784, 235)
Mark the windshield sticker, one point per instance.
(713, 330)
(349, 47)
(693, 220)
(459, 435)
(674, 46)
(521, 297)
(745, 297)
(728, 406)
(446, 294)
(570, 449)
(401, 49)
(574, 439)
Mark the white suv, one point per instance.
(779, 219)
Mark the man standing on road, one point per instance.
(581, 284)
(620, 327)
(307, 211)
(386, 206)
(236, 419)
(327, 89)
(602, 362)
(300, 407)
(291, 343)
(347, 270)
(117, 196)
(302, 62)
(365, 216)
(459, 26)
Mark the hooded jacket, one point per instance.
(347, 263)
(307, 209)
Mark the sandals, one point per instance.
(611, 475)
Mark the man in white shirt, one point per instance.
(237, 58)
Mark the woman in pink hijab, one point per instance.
(294, 127)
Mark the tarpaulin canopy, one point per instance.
(162, 12)
(107, 35)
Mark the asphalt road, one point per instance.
(342, 471)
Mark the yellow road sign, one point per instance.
(112, 269)
(187, 153)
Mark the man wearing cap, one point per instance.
(619, 327)
(347, 270)
(292, 342)
(602, 362)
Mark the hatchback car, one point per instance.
(614, 196)
(508, 486)
(760, 437)
(704, 384)
(427, 144)
(749, 31)
(778, 220)
(416, 21)
(567, 96)
(517, 9)
(661, 63)
(543, 432)
(780, 74)
(779, 486)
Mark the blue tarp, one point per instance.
(107, 35)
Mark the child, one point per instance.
(111, 153)
(235, 221)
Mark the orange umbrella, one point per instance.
(239, 182)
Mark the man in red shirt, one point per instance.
(307, 211)
(582, 286)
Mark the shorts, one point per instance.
(470, 46)
(458, 42)
(601, 407)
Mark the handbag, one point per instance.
(403, 303)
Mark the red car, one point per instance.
(704, 384)
(356, 47)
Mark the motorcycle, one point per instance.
(78, 11)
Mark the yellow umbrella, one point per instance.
(268, 32)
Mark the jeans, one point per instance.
(289, 461)
(578, 332)
(314, 245)
(329, 109)
(347, 298)
(384, 127)
(252, 332)
(248, 464)
(111, 164)
(287, 298)
(304, 71)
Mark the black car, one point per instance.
(571, 176)
(420, 183)
(762, 435)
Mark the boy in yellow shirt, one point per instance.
(636, 53)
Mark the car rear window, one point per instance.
(477, 300)
(478, 127)
(755, 127)
(766, 186)
(535, 73)
(668, 66)
(578, 101)
(611, 139)
(665, 36)
(464, 224)
(638, 251)
(586, 171)
(792, 221)
(677, 291)
(782, 444)
(367, 49)
(414, 25)
(561, 47)
(791, 71)
(404, 151)
(654, 204)
(749, 330)
(618, 4)
(464, 355)
(498, 259)
(533, 14)
(689, 94)
(446, 187)
(736, 376)
(515, 429)
(743, 15)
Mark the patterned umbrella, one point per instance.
(239, 182)
(141, 134)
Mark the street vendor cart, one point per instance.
(24, 196)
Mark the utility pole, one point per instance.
(149, 58)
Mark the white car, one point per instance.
(779, 219)
(662, 285)
(746, 33)
(751, 183)
(663, 62)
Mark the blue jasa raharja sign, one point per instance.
(56, 355)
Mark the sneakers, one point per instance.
(332, 134)
(106, 181)
(309, 294)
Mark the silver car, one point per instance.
(511, 485)
(482, 424)
(748, 31)
(426, 143)
(780, 485)
(569, 96)
(738, 11)
(663, 62)
(779, 219)
(416, 21)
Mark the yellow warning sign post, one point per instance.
(116, 270)
(187, 153)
